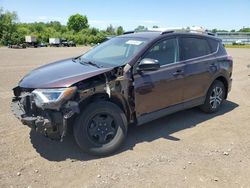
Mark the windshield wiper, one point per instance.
(74, 59)
(90, 63)
(78, 59)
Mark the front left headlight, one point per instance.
(52, 98)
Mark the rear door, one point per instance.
(201, 66)
(155, 90)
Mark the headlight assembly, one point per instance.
(52, 98)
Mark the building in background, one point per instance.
(234, 37)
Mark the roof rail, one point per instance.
(188, 30)
(167, 31)
(128, 32)
(210, 33)
(174, 30)
(202, 32)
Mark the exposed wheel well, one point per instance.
(105, 97)
(224, 81)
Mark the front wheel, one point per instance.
(101, 128)
(215, 97)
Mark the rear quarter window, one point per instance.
(222, 51)
(213, 44)
(192, 47)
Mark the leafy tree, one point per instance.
(12, 32)
(141, 28)
(214, 30)
(94, 31)
(39, 27)
(77, 22)
(245, 29)
(7, 26)
(56, 25)
(155, 26)
(218, 30)
(119, 30)
(110, 30)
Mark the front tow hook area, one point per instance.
(29, 121)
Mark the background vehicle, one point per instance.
(42, 44)
(31, 41)
(54, 42)
(131, 79)
(66, 43)
(238, 42)
(17, 46)
(72, 43)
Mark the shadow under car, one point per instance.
(161, 128)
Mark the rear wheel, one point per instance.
(215, 97)
(101, 128)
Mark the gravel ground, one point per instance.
(186, 149)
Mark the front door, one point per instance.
(156, 90)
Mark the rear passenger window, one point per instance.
(194, 47)
(166, 52)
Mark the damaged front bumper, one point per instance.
(50, 123)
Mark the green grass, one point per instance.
(237, 46)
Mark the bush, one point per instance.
(77, 30)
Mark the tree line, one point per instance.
(77, 30)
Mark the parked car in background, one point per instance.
(238, 42)
(17, 46)
(130, 79)
(72, 44)
(66, 43)
(42, 44)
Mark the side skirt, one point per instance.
(145, 118)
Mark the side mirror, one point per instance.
(148, 64)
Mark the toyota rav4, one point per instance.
(129, 79)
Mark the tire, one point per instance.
(95, 131)
(214, 98)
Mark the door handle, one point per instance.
(178, 72)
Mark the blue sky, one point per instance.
(222, 14)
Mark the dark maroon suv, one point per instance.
(129, 79)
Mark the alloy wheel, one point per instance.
(216, 97)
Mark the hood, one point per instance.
(62, 73)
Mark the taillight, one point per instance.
(230, 58)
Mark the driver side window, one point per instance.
(165, 51)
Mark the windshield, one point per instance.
(115, 52)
